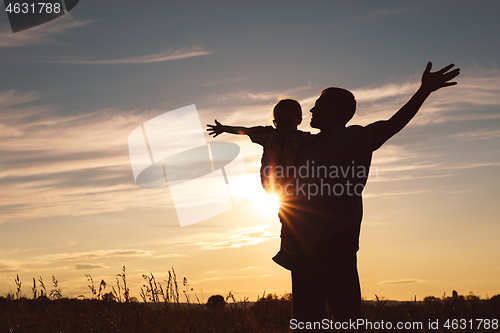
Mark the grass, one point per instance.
(161, 310)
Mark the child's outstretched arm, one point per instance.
(218, 128)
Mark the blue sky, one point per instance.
(75, 88)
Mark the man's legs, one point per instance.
(333, 277)
(344, 295)
(309, 298)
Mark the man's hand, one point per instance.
(383, 130)
(216, 129)
(434, 81)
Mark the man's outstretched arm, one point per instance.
(384, 130)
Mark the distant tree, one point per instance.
(495, 303)
(108, 297)
(273, 309)
(429, 299)
(472, 298)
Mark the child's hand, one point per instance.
(216, 129)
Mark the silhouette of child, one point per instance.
(281, 147)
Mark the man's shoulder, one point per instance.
(339, 142)
(336, 134)
(357, 128)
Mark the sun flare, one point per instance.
(267, 204)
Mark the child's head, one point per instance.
(287, 115)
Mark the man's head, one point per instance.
(334, 107)
(287, 115)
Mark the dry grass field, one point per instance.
(165, 308)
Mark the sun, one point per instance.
(266, 203)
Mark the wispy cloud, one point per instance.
(482, 134)
(15, 97)
(183, 53)
(251, 96)
(387, 91)
(470, 165)
(170, 255)
(233, 238)
(397, 162)
(41, 35)
(407, 177)
(6, 267)
(389, 153)
(249, 267)
(476, 91)
(245, 97)
(224, 81)
(98, 254)
(230, 271)
(88, 266)
(55, 165)
(35, 249)
(391, 194)
(253, 236)
(9, 132)
(402, 281)
(401, 162)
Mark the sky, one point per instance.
(73, 90)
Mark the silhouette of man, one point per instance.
(324, 211)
